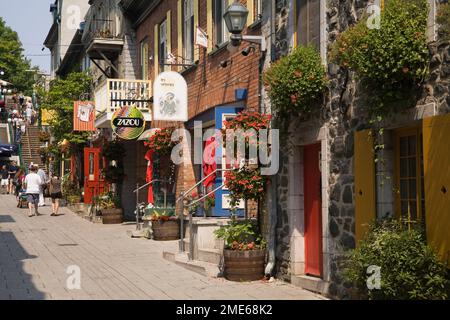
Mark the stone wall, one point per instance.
(342, 117)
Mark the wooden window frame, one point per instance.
(398, 134)
(188, 56)
(144, 59)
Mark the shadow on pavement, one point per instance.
(15, 283)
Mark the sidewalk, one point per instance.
(36, 252)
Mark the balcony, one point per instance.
(113, 94)
(102, 31)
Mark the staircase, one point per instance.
(31, 146)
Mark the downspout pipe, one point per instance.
(272, 188)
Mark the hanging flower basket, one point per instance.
(161, 141)
(245, 183)
(248, 124)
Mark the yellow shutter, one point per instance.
(156, 50)
(251, 14)
(196, 49)
(209, 24)
(365, 198)
(169, 35)
(436, 156)
(180, 31)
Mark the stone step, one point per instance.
(309, 283)
(200, 267)
(213, 256)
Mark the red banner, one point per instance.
(83, 116)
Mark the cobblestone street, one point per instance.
(36, 252)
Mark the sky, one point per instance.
(31, 19)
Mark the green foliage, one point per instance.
(13, 62)
(390, 60)
(240, 235)
(70, 188)
(409, 267)
(245, 183)
(295, 82)
(107, 200)
(443, 19)
(59, 99)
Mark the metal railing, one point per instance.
(138, 188)
(184, 196)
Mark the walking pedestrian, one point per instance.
(29, 112)
(44, 179)
(55, 193)
(21, 99)
(13, 168)
(18, 181)
(33, 183)
(4, 182)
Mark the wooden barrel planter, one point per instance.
(244, 265)
(166, 230)
(112, 216)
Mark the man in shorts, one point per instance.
(33, 184)
(4, 174)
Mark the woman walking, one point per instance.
(55, 193)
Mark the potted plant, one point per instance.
(165, 224)
(244, 250)
(71, 190)
(208, 204)
(110, 209)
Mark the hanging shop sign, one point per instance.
(170, 97)
(83, 116)
(128, 122)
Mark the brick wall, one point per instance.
(209, 85)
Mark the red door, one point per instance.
(313, 211)
(93, 183)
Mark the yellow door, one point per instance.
(436, 134)
(365, 199)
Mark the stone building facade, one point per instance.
(340, 117)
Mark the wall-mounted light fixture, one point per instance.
(235, 19)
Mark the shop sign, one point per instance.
(128, 122)
(170, 97)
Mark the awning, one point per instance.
(7, 149)
(148, 133)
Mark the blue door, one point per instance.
(221, 208)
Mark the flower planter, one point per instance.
(112, 216)
(244, 265)
(166, 230)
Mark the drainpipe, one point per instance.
(272, 189)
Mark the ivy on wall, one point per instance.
(392, 60)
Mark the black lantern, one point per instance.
(236, 17)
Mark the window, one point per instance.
(308, 22)
(162, 44)
(188, 30)
(409, 175)
(144, 59)
(220, 29)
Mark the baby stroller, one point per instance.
(22, 199)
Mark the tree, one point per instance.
(59, 100)
(12, 60)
